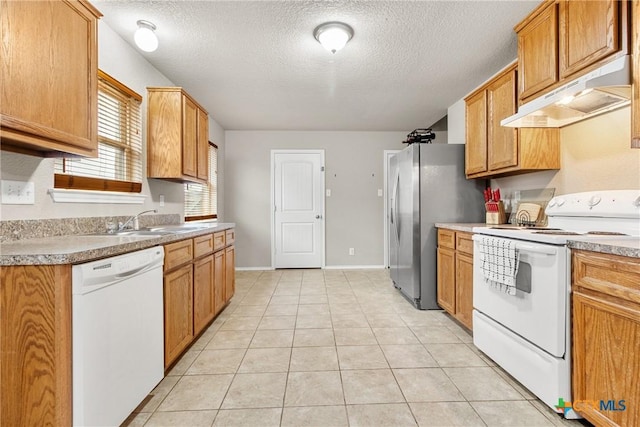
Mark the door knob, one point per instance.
(318, 216)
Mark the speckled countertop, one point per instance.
(629, 247)
(460, 226)
(75, 249)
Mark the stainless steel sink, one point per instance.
(175, 229)
(135, 233)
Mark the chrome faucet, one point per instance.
(134, 219)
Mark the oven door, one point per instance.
(538, 311)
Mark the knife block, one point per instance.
(495, 213)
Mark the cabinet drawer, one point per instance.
(464, 243)
(202, 245)
(231, 236)
(613, 275)
(218, 240)
(446, 238)
(178, 253)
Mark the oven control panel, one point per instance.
(609, 204)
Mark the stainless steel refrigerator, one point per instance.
(428, 185)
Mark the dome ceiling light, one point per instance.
(145, 36)
(333, 36)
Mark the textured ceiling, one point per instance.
(256, 65)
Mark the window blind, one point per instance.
(201, 200)
(118, 166)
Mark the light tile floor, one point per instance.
(335, 348)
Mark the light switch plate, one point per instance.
(379, 192)
(17, 192)
(328, 192)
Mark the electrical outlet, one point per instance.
(161, 200)
(18, 193)
(352, 251)
(379, 192)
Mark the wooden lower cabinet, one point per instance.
(35, 345)
(606, 338)
(464, 289)
(178, 312)
(455, 274)
(199, 281)
(219, 279)
(204, 308)
(230, 277)
(447, 279)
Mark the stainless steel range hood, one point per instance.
(599, 91)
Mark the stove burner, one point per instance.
(558, 232)
(606, 233)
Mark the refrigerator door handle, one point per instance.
(396, 224)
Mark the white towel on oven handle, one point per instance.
(500, 263)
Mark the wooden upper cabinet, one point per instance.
(49, 75)
(189, 137)
(174, 132)
(564, 39)
(203, 145)
(635, 102)
(476, 131)
(501, 99)
(493, 150)
(538, 50)
(589, 31)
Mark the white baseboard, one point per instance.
(354, 267)
(327, 267)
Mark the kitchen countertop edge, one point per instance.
(460, 226)
(613, 246)
(17, 252)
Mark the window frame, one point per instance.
(79, 182)
(209, 183)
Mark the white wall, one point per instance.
(595, 155)
(117, 58)
(456, 123)
(354, 173)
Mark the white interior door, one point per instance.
(298, 208)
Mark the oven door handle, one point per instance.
(523, 247)
(545, 250)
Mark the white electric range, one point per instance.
(528, 332)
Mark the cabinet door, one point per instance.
(635, 103)
(502, 141)
(476, 129)
(588, 33)
(203, 293)
(606, 339)
(538, 52)
(178, 312)
(203, 145)
(464, 289)
(189, 137)
(230, 273)
(447, 280)
(49, 76)
(219, 279)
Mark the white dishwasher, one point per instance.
(118, 335)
